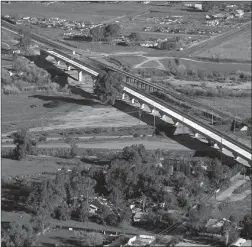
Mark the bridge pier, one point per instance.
(73, 52)
(133, 101)
(68, 67)
(58, 62)
(79, 75)
(142, 106)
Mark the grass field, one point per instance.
(212, 66)
(95, 12)
(130, 59)
(236, 106)
(33, 165)
(238, 48)
(17, 111)
(238, 209)
(151, 64)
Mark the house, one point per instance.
(141, 240)
(140, 217)
(181, 244)
(196, 5)
(239, 13)
(241, 242)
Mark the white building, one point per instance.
(141, 240)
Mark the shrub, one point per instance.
(54, 87)
(136, 135)
(23, 144)
(10, 89)
(21, 85)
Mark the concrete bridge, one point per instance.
(139, 91)
(70, 62)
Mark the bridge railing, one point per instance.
(236, 145)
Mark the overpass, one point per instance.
(136, 90)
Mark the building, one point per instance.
(239, 13)
(140, 240)
(195, 5)
(181, 244)
(241, 242)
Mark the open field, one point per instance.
(236, 106)
(238, 48)
(73, 112)
(237, 209)
(32, 165)
(213, 66)
(95, 12)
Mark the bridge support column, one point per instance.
(142, 106)
(74, 53)
(196, 135)
(123, 96)
(68, 67)
(58, 62)
(79, 75)
(236, 157)
(133, 101)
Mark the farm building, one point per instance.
(196, 5)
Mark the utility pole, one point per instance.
(212, 117)
(42, 122)
(154, 122)
(221, 149)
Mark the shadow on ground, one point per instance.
(71, 100)
(68, 242)
(14, 198)
(57, 75)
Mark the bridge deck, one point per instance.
(71, 62)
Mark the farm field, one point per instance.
(97, 12)
(237, 48)
(236, 106)
(212, 66)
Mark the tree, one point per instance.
(112, 30)
(90, 239)
(198, 217)
(5, 77)
(108, 87)
(246, 223)
(207, 6)
(135, 37)
(230, 232)
(84, 211)
(98, 33)
(18, 235)
(23, 144)
(25, 38)
(41, 220)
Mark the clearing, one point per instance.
(237, 48)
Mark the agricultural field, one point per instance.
(93, 12)
(236, 48)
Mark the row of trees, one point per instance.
(104, 33)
